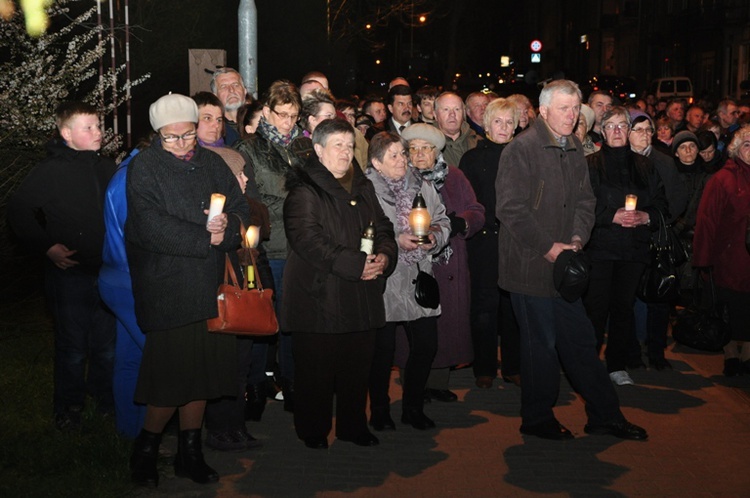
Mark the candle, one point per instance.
(251, 236)
(630, 202)
(217, 205)
(419, 219)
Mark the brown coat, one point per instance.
(543, 196)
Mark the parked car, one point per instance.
(620, 87)
(673, 87)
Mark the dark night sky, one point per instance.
(292, 41)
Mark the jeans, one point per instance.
(84, 339)
(286, 358)
(128, 353)
(552, 328)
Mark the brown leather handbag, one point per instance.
(243, 311)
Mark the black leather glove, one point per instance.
(458, 224)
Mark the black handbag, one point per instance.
(426, 290)
(704, 325)
(659, 282)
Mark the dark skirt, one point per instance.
(186, 364)
(738, 307)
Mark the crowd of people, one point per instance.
(509, 192)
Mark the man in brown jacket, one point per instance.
(545, 206)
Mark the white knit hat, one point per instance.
(172, 108)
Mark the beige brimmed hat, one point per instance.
(172, 108)
(424, 132)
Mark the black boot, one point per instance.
(255, 401)
(287, 386)
(189, 461)
(143, 460)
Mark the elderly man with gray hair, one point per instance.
(228, 85)
(545, 206)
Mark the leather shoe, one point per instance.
(553, 430)
(484, 382)
(316, 443)
(513, 379)
(659, 364)
(621, 428)
(382, 422)
(443, 395)
(364, 439)
(417, 419)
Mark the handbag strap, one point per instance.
(229, 272)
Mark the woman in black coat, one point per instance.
(491, 311)
(334, 290)
(620, 241)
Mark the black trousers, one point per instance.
(422, 337)
(328, 364)
(228, 413)
(609, 304)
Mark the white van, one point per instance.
(673, 87)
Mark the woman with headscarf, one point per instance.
(451, 267)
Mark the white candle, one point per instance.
(251, 236)
(630, 201)
(217, 205)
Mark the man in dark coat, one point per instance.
(545, 206)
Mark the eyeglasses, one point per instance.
(648, 130)
(424, 149)
(619, 126)
(327, 115)
(170, 139)
(285, 115)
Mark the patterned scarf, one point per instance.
(437, 173)
(404, 198)
(269, 131)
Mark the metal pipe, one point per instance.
(247, 20)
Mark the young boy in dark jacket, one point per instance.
(58, 211)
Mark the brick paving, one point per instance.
(698, 422)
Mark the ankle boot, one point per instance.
(189, 461)
(143, 459)
(255, 401)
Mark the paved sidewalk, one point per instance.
(698, 421)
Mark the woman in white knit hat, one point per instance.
(176, 258)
